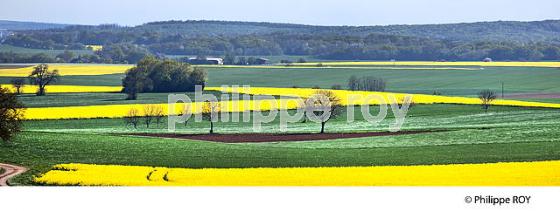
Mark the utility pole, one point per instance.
(502, 90)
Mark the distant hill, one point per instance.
(481, 31)
(499, 40)
(20, 25)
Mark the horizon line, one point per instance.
(268, 22)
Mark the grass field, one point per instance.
(455, 134)
(428, 63)
(20, 50)
(447, 82)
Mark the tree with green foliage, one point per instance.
(229, 59)
(11, 114)
(41, 76)
(487, 96)
(133, 83)
(241, 61)
(125, 53)
(42, 58)
(156, 75)
(66, 56)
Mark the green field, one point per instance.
(472, 136)
(20, 50)
(447, 82)
(457, 133)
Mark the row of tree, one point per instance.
(369, 83)
(116, 53)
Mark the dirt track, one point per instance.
(269, 137)
(10, 171)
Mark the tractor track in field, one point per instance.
(9, 172)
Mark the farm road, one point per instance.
(10, 171)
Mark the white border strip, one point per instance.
(268, 198)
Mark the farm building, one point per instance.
(207, 60)
(261, 61)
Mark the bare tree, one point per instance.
(325, 105)
(18, 84)
(41, 76)
(158, 114)
(149, 114)
(486, 96)
(369, 83)
(210, 112)
(132, 118)
(353, 83)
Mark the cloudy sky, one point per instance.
(324, 12)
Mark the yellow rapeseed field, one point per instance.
(433, 63)
(69, 69)
(360, 98)
(95, 47)
(28, 89)
(117, 111)
(543, 173)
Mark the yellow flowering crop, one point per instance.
(95, 47)
(432, 63)
(69, 69)
(346, 97)
(544, 173)
(28, 89)
(117, 111)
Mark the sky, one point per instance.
(324, 12)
